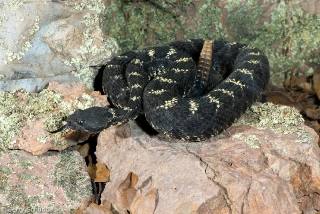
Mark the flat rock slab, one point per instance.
(272, 173)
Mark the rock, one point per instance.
(250, 168)
(27, 117)
(56, 182)
(57, 43)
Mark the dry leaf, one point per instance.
(102, 173)
(82, 207)
(302, 97)
(144, 204)
(84, 150)
(287, 84)
(277, 97)
(130, 181)
(99, 172)
(299, 83)
(306, 87)
(313, 113)
(307, 103)
(92, 171)
(292, 81)
(96, 209)
(126, 192)
(296, 81)
(131, 199)
(316, 82)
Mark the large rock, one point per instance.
(269, 164)
(60, 38)
(27, 117)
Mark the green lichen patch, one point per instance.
(4, 176)
(94, 5)
(14, 193)
(209, 26)
(18, 107)
(136, 25)
(74, 182)
(281, 119)
(24, 162)
(25, 40)
(252, 140)
(95, 48)
(18, 201)
(288, 37)
(43, 190)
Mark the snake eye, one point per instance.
(80, 122)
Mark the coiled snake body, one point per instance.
(177, 97)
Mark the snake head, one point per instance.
(92, 120)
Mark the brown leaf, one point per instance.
(292, 81)
(102, 173)
(144, 204)
(299, 84)
(99, 172)
(313, 113)
(82, 207)
(130, 199)
(92, 171)
(126, 192)
(277, 97)
(296, 81)
(302, 97)
(287, 83)
(84, 150)
(316, 82)
(306, 87)
(308, 104)
(96, 209)
(130, 181)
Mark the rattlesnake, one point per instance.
(177, 97)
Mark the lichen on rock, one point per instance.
(62, 41)
(27, 117)
(19, 106)
(281, 119)
(56, 182)
(251, 140)
(95, 49)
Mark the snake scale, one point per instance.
(190, 90)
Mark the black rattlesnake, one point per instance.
(177, 97)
